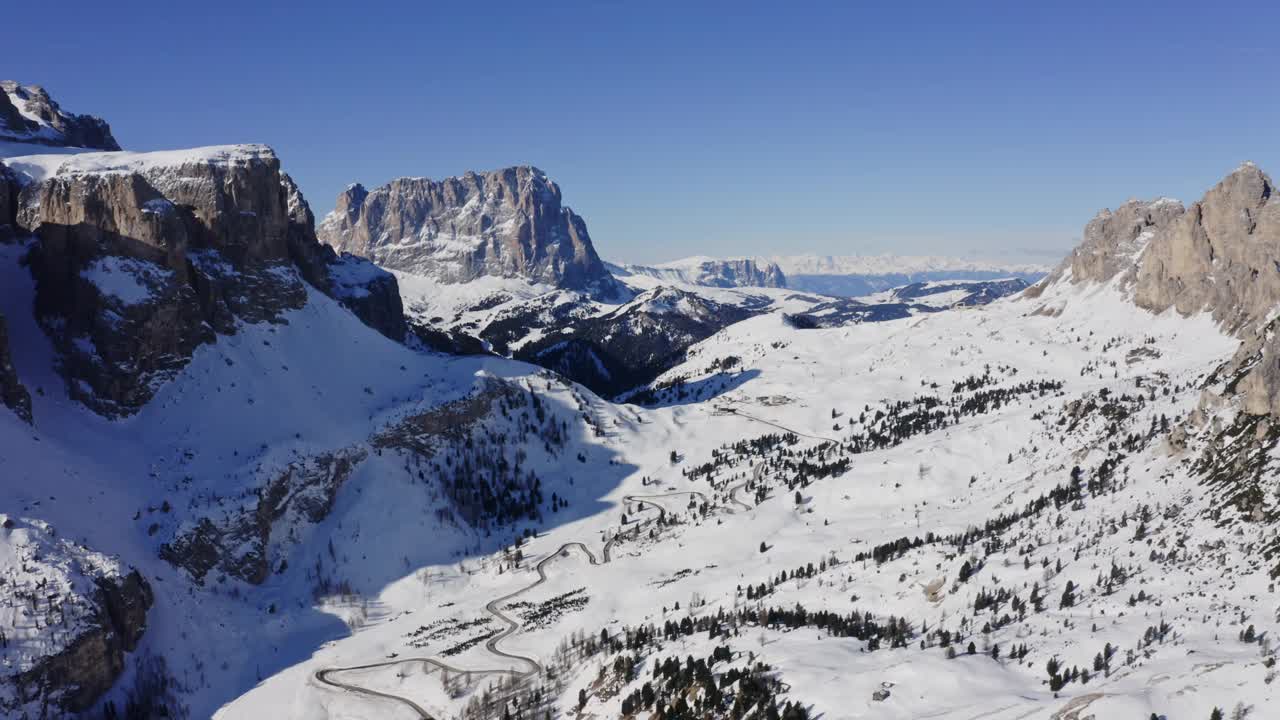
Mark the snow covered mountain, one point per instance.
(505, 224)
(907, 301)
(28, 114)
(856, 275)
(234, 486)
(494, 263)
(709, 272)
(141, 257)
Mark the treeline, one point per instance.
(737, 693)
(904, 419)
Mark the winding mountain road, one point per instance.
(493, 607)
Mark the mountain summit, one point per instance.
(28, 114)
(507, 223)
(1221, 254)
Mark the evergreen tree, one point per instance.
(1068, 596)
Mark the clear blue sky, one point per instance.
(989, 129)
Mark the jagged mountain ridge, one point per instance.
(710, 272)
(1220, 255)
(507, 223)
(28, 114)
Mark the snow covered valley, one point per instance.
(236, 481)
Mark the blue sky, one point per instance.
(970, 129)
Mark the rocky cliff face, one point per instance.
(746, 273)
(238, 540)
(140, 258)
(370, 292)
(1220, 255)
(28, 114)
(8, 203)
(507, 223)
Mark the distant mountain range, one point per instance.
(838, 275)
(710, 272)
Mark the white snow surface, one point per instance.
(271, 394)
(947, 482)
(37, 163)
(126, 279)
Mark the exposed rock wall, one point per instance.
(142, 258)
(71, 615)
(507, 223)
(742, 272)
(8, 204)
(1220, 255)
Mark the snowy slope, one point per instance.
(1047, 507)
(265, 398)
(818, 384)
(252, 406)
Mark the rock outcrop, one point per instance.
(1220, 256)
(1114, 240)
(28, 114)
(508, 223)
(74, 615)
(76, 677)
(142, 257)
(368, 291)
(238, 540)
(745, 273)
